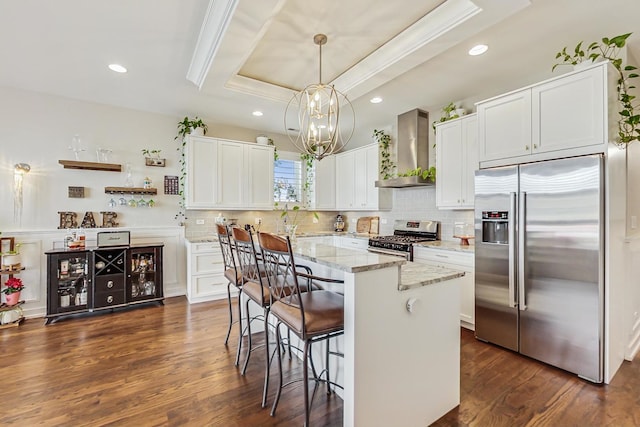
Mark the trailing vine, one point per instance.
(629, 120)
(384, 142)
(185, 126)
(309, 174)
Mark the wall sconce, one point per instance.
(20, 170)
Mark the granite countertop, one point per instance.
(448, 246)
(413, 275)
(343, 259)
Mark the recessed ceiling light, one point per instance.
(257, 113)
(375, 100)
(117, 68)
(478, 49)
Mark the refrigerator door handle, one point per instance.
(522, 223)
(513, 301)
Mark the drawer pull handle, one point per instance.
(110, 284)
(110, 299)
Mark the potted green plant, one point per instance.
(193, 126)
(291, 221)
(609, 49)
(449, 112)
(384, 142)
(152, 157)
(429, 174)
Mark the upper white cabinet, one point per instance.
(224, 174)
(456, 162)
(345, 180)
(561, 117)
(569, 112)
(504, 126)
(324, 185)
(201, 156)
(356, 173)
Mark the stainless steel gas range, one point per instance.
(405, 234)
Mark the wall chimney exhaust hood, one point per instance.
(412, 150)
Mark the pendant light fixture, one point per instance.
(317, 117)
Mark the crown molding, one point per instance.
(214, 26)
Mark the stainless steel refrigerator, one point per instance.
(539, 255)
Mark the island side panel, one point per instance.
(400, 368)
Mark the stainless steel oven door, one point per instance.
(405, 255)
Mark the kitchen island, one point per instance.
(401, 338)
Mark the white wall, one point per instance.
(37, 129)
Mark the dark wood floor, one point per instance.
(167, 366)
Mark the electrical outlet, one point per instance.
(257, 221)
(315, 220)
(200, 221)
(354, 220)
(383, 220)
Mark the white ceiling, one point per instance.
(251, 53)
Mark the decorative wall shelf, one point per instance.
(74, 164)
(130, 190)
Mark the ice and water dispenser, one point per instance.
(495, 227)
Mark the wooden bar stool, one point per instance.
(233, 274)
(312, 316)
(257, 290)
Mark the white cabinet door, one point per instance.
(231, 174)
(222, 174)
(470, 162)
(345, 180)
(352, 243)
(361, 169)
(456, 163)
(569, 112)
(205, 272)
(356, 173)
(324, 192)
(372, 162)
(455, 261)
(449, 164)
(505, 126)
(259, 180)
(201, 176)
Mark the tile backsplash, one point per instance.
(415, 203)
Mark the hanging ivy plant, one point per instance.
(307, 160)
(185, 126)
(609, 48)
(384, 142)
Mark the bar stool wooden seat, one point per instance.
(312, 316)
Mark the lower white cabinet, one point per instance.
(455, 260)
(351, 242)
(205, 272)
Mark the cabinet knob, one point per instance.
(110, 299)
(535, 146)
(110, 284)
(526, 147)
(458, 200)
